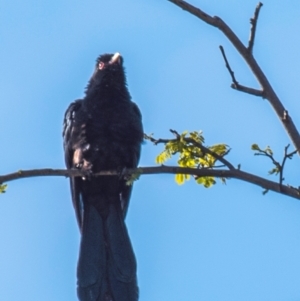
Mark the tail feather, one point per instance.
(121, 261)
(92, 257)
(106, 266)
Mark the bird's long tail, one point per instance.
(106, 267)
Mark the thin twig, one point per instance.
(279, 167)
(248, 90)
(235, 84)
(157, 141)
(253, 22)
(286, 156)
(282, 165)
(264, 153)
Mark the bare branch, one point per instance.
(248, 90)
(269, 154)
(20, 174)
(235, 82)
(282, 165)
(286, 156)
(253, 22)
(235, 85)
(236, 173)
(266, 87)
(266, 154)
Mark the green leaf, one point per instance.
(3, 188)
(206, 181)
(197, 137)
(161, 158)
(184, 134)
(179, 178)
(274, 170)
(219, 149)
(130, 179)
(190, 155)
(255, 147)
(269, 151)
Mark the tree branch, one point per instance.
(235, 85)
(266, 87)
(267, 152)
(236, 173)
(253, 22)
(286, 156)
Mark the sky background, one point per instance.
(228, 242)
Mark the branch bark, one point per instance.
(253, 22)
(234, 173)
(235, 84)
(246, 53)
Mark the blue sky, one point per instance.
(225, 243)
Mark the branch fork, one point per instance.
(267, 90)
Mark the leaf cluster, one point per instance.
(193, 154)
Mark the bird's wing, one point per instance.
(137, 130)
(70, 137)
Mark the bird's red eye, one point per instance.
(101, 65)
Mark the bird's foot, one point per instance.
(86, 167)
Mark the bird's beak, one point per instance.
(115, 59)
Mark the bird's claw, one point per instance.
(86, 167)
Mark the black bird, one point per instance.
(103, 131)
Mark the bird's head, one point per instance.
(109, 62)
(109, 72)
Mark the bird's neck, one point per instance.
(106, 96)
